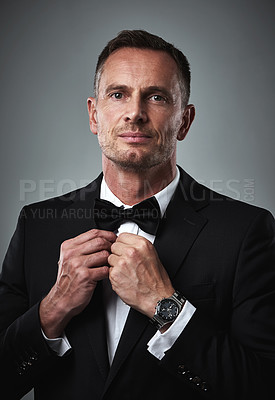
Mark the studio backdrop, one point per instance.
(48, 55)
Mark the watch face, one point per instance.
(168, 309)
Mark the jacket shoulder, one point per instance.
(62, 201)
(200, 197)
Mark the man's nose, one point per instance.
(135, 111)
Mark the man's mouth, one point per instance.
(135, 137)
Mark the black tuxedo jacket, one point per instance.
(218, 252)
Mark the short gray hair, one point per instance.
(145, 40)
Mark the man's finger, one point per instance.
(92, 234)
(129, 238)
(98, 274)
(96, 260)
(95, 245)
(118, 248)
(112, 259)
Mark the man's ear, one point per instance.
(187, 119)
(91, 105)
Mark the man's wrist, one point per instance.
(59, 346)
(53, 322)
(165, 327)
(163, 341)
(167, 310)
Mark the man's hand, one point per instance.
(83, 262)
(136, 273)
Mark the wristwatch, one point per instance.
(168, 309)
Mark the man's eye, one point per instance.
(117, 95)
(157, 97)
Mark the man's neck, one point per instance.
(131, 187)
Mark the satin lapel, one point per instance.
(178, 230)
(79, 214)
(96, 331)
(135, 326)
(180, 227)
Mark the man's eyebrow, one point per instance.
(115, 86)
(158, 89)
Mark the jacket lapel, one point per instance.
(177, 232)
(79, 212)
(181, 223)
(134, 328)
(96, 331)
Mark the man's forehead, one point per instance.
(125, 54)
(139, 63)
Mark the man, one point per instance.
(98, 302)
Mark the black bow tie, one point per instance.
(146, 214)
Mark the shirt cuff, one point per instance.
(59, 345)
(162, 342)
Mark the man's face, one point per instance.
(138, 115)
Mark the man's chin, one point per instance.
(134, 160)
(134, 164)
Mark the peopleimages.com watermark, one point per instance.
(47, 188)
(31, 190)
(243, 189)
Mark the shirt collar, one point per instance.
(163, 197)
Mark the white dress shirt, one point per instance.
(116, 310)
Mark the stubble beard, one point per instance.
(134, 159)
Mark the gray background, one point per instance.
(48, 55)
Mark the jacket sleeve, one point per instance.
(237, 362)
(24, 353)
